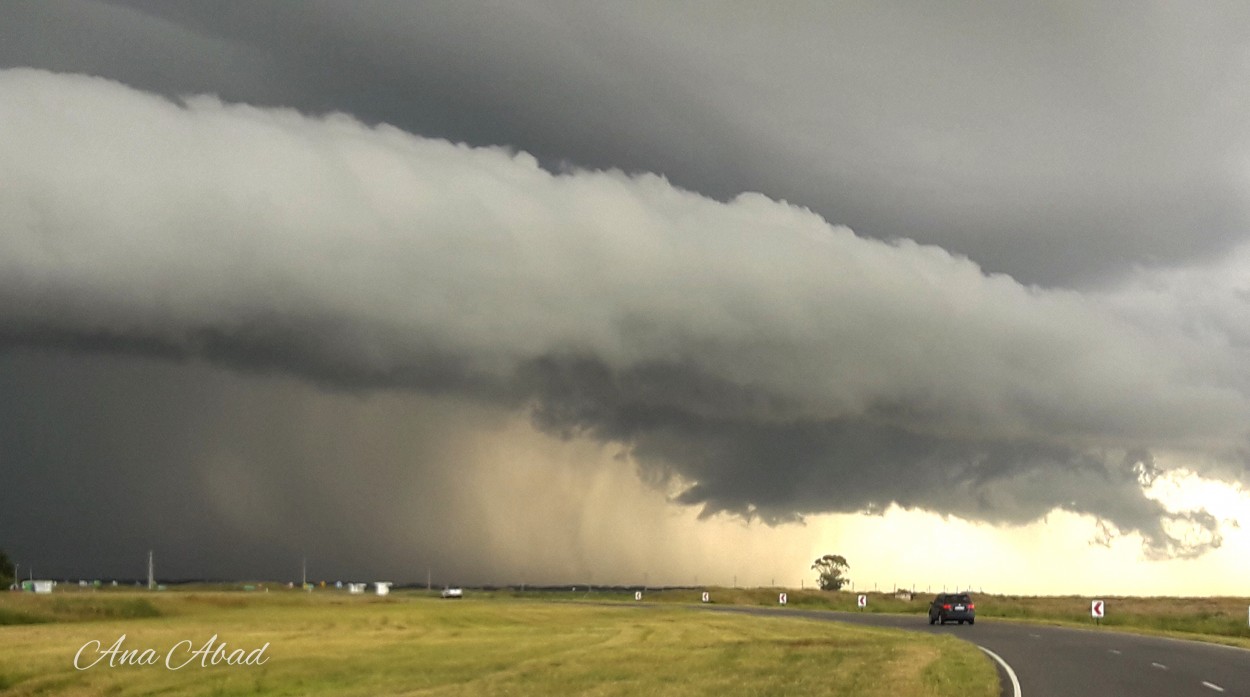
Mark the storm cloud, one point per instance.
(748, 356)
(1063, 145)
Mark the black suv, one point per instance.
(952, 606)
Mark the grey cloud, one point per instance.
(772, 364)
(778, 471)
(1062, 146)
(368, 251)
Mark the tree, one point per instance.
(6, 571)
(831, 567)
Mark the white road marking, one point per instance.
(1160, 666)
(1115, 651)
(1036, 636)
(1212, 685)
(1015, 682)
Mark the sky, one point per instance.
(656, 293)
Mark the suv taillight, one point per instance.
(971, 606)
(946, 607)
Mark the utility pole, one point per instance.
(428, 586)
(151, 572)
(304, 572)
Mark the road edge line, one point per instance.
(1015, 682)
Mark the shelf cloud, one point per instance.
(748, 356)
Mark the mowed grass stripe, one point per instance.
(332, 645)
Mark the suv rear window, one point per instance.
(959, 598)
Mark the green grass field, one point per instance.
(329, 643)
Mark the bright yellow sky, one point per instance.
(1050, 557)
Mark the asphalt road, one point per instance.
(1062, 662)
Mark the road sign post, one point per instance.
(781, 599)
(707, 597)
(1097, 610)
(861, 601)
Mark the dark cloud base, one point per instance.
(779, 470)
(683, 427)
